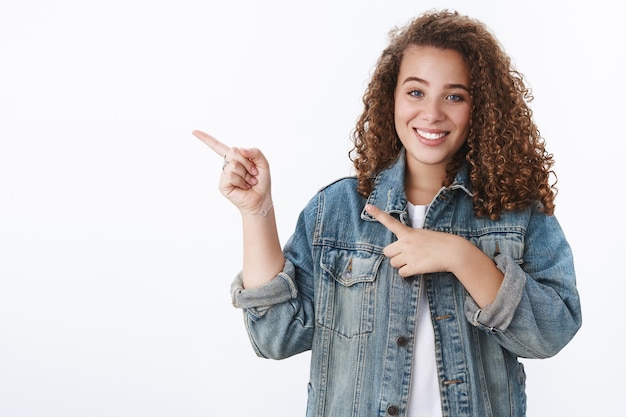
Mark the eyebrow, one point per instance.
(447, 86)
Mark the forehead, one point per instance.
(429, 62)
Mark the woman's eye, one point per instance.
(416, 93)
(455, 97)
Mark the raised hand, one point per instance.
(417, 251)
(245, 178)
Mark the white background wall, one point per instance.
(117, 250)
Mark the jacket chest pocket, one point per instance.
(346, 300)
(507, 241)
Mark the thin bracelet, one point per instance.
(264, 212)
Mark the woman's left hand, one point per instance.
(420, 251)
(417, 251)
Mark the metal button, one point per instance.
(402, 341)
(393, 410)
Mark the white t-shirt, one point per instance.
(425, 398)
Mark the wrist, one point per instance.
(465, 253)
(262, 210)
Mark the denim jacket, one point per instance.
(339, 297)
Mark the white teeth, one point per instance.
(430, 136)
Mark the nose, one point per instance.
(432, 110)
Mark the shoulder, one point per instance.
(330, 206)
(344, 183)
(337, 196)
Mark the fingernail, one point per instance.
(254, 171)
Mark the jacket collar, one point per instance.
(388, 193)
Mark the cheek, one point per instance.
(462, 119)
(402, 113)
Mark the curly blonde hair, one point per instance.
(508, 164)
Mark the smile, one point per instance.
(430, 136)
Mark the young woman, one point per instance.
(419, 282)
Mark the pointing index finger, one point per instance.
(217, 146)
(392, 224)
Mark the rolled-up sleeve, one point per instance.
(280, 315)
(498, 315)
(258, 300)
(537, 309)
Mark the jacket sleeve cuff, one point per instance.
(258, 300)
(497, 316)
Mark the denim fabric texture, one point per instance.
(339, 297)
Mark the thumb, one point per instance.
(255, 156)
(392, 224)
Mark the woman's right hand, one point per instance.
(245, 178)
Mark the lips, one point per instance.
(430, 135)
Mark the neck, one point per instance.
(422, 185)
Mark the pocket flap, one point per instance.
(351, 266)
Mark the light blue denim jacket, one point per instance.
(339, 297)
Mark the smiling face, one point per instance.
(432, 107)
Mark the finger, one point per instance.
(393, 225)
(405, 271)
(397, 262)
(392, 250)
(245, 157)
(231, 181)
(217, 146)
(234, 170)
(400, 263)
